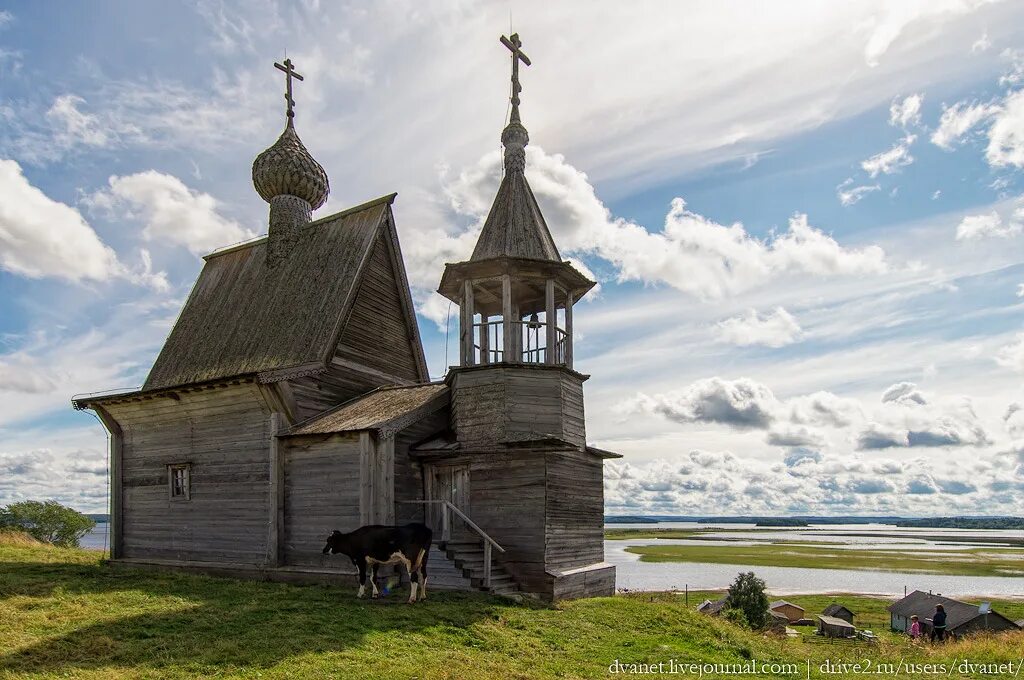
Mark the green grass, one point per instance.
(65, 614)
(972, 562)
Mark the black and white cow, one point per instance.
(375, 545)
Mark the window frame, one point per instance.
(186, 479)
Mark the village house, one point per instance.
(961, 618)
(833, 627)
(838, 611)
(292, 398)
(792, 612)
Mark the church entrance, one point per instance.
(446, 483)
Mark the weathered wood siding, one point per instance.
(518, 403)
(377, 333)
(597, 582)
(507, 499)
(224, 434)
(574, 517)
(409, 472)
(321, 481)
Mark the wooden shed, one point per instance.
(833, 627)
(792, 612)
(838, 611)
(292, 398)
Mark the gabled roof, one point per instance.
(385, 410)
(515, 226)
(836, 608)
(243, 317)
(923, 604)
(713, 606)
(833, 621)
(781, 603)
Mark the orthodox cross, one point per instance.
(515, 44)
(289, 73)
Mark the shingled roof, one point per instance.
(386, 410)
(923, 604)
(515, 226)
(243, 317)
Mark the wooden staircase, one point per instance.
(467, 556)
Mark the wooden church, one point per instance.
(292, 398)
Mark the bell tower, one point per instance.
(515, 296)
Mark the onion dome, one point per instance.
(286, 168)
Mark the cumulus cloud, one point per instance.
(849, 194)
(1013, 419)
(742, 403)
(824, 409)
(989, 225)
(795, 437)
(170, 212)
(958, 120)
(41, 237)
(905, 393)
(912, 420)
(906, 112)
(776, 328)
(691, 253)
(888, 162)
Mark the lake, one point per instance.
(632, 574)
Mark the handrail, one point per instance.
(488, 541)
(472, 525)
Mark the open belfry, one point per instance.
(292, 399)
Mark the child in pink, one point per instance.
(915, 627)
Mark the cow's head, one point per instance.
(336, 543)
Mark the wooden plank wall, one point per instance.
(574, 516)
(409, 472)
(507, 500)
(377, 333)
(518, 403)
(224, 434)
(321, 481)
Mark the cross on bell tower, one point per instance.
(515, 294)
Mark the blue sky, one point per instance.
(805, 220)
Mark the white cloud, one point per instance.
(906, 112)
(1006, 136)
(989, 225)
(848, 195)
(170, 211)
(1012, 355)
(888, 162)
(41, 237)
(6, 18)
(895, 17)
(72, 127)
(959, 119)
(741, 403)
(1014, 75)
(692, 253)
(982, 44)
(905, 393)
(776, 328)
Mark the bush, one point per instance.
(746, 595)
(50, 522)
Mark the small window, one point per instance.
(179, 481)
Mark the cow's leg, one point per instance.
(373, 581)
(362, 577)
(423, 579)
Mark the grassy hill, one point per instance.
(63, 613)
